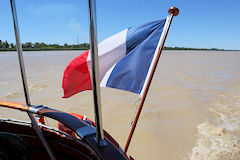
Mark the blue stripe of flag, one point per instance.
(130, 72)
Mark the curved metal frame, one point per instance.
(85, 131)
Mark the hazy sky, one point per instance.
(200, 24)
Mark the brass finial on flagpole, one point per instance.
(173, 11)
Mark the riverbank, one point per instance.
(86, 48)
(42, 49)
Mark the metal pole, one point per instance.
(24, 80)
(95, 73)
(173, 11)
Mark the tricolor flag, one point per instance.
(124, 60)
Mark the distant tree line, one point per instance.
(185, 48)
(29, 46)
(6, 44)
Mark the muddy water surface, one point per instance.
(191, 112)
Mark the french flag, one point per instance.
(124, 60)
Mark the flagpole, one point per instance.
(95, 73)
(24, 80)
(173, 11)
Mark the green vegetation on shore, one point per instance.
(29, 46)
(185, 48)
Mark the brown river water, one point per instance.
(192, 110)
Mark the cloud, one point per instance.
(52, 9)
(75, 26)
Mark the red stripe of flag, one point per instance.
(76, 77)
